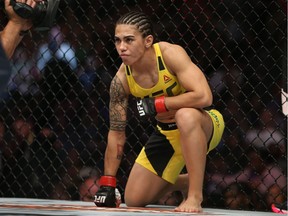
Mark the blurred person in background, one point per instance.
(259, 174)
(276, 195)
(269, 137)
(10, 37)
(238, 196)
(16, 155)
(16, 28)
(88, 189)
(23, 79)
(90, 183)
(57, 49)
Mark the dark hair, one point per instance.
(140, 20)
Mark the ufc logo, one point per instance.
(140, 108)
(100, 199)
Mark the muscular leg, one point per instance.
(144, 187)
(181, 184)
(195, 128)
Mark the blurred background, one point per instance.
(54, 112)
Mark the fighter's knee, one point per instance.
(129, 203)
(186, 116)
(133, 203)
(132, 200)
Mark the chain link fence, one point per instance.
(54, 114)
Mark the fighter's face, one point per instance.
(129, 43)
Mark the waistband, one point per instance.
(167, 126)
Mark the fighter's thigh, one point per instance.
(143, 187)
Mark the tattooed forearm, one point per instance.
(117, 125)
(119, 152)
(118, 105)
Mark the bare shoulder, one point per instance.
(167, 47)
(119, 84)
(121, 72)
(174, 56)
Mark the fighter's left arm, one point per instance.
(190, 76)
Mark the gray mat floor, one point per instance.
(33, 207)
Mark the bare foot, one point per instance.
(190, 205)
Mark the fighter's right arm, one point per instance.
(106, 196)
(118, 116)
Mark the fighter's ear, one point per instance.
(149, 41)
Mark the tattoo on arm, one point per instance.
(119, 152)
(118, 105)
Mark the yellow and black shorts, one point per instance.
(162, 153)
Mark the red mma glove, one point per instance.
(151, 106)
(107, 195)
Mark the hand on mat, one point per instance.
(107, 195)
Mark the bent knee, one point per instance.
(132, 200)
(187, 116)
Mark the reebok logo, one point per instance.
(166, 79)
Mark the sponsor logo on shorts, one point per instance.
(172, 125)
(217, 122)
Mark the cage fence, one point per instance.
(54, 113)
